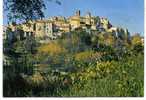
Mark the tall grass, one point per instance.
(127, 79)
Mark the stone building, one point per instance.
(105, 23)
(61, 25)
(74, 22)
(55, 26)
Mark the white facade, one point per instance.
(49, 29)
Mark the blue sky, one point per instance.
(124, 13)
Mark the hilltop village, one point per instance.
(68, 48)
(74, 56)
(53, 27)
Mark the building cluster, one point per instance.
(55, 26)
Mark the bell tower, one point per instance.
(78, 12)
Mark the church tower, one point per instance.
(78, 13)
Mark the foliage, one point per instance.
(63, 70)
(20, 61)
(79, 63)
(124, 78)
(52, 48)
(136, 40)
(88, 56)
(25, 9)
(20, 9)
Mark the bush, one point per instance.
(88, 56)
(52, 48)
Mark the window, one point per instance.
(34, 27)
(39, 28)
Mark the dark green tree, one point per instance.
(18, 55)
(25, 9)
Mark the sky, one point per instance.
(122, 13)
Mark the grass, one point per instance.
(126, 80)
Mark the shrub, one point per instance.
(52, 48)
(88, 56)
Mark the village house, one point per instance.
(55, 26)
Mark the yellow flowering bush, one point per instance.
(36, 79)
(104, 67)
(87, 56)
(52, 48)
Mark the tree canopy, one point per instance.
(25, 9)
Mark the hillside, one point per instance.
(91, 59)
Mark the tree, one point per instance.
(20, 52)
(20, 61)
(94, 40)
(25, 9)
(136, 39)
(97, 20)
(137, 43)
(121, 34)
(110, 40)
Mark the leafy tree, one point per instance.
(94, 40)
(124, 35)
(97, 20)
(136, 39)
(110, 40)
(137, 45)
(25, 9)
(20, 52)
(101, 38)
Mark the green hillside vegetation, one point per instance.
(99, 60)
(76, 64)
